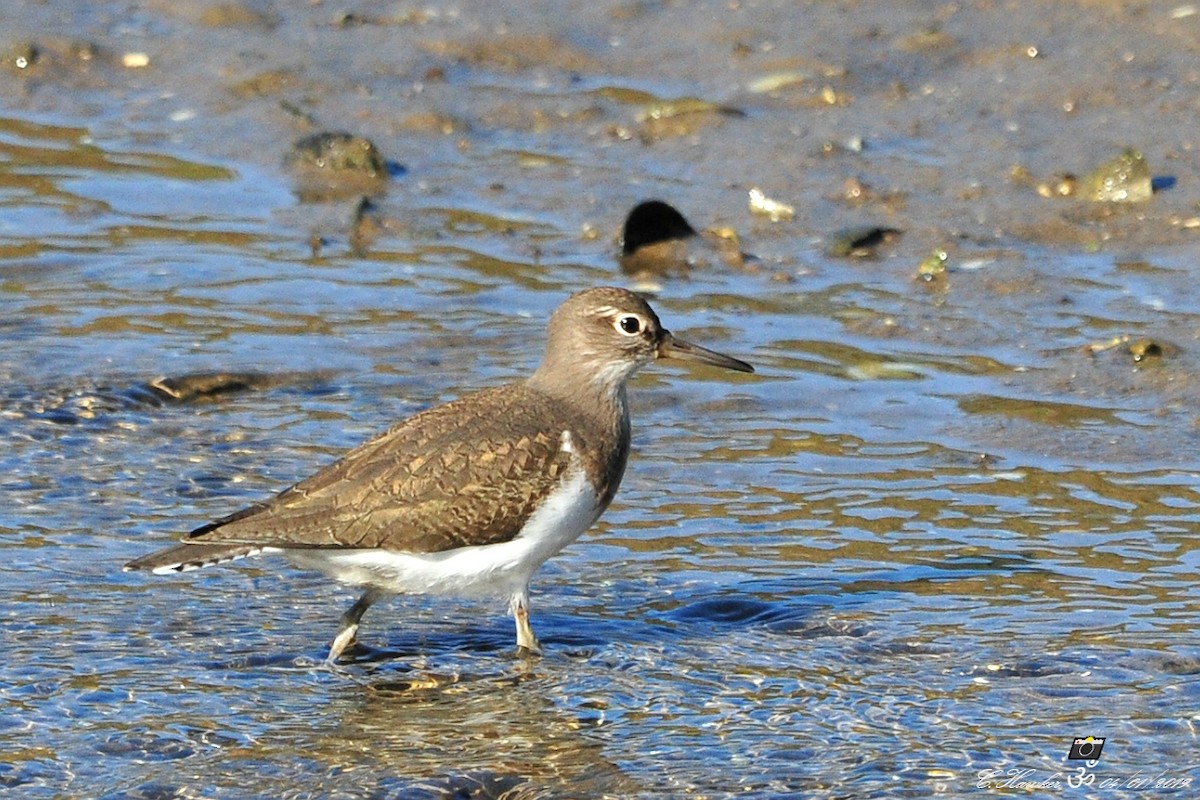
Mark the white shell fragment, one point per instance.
(761, 204)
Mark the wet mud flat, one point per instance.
(906, 114)
(977, 129)
(947, 528)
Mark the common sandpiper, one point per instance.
(471, 497)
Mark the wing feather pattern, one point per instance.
(466, 473)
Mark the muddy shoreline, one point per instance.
(938, 121)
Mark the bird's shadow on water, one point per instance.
(807, 607)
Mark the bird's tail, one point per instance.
(186, 557)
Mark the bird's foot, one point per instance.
(343, 641)
(529, 649)
(527, 643)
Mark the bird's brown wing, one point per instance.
(466, 473)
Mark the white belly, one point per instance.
(485, 570)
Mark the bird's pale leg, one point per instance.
(526, 641)
(349, 625)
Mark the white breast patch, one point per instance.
(484, 570)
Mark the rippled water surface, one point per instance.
(944, 530)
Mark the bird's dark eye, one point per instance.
(630, 324)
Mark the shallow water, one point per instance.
(931, 542)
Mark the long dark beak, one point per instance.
(678, 349)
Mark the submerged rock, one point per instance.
(54, 59)
(860, 241)
(335, 165)
(933, 267)
(657, 240)
(1123, 179)
(21, 55)
(666, 118)
(1064, 184)
(673, 119)
(1142, 351)
(1146, 349)
(200, 386)
(74, 405)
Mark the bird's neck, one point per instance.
(600, 415)
(591, 387)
